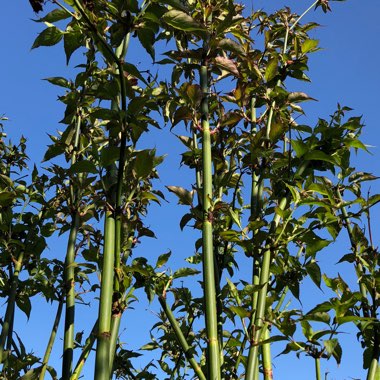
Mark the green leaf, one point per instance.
(109, 155)
(24, 304)
(147, 39)
(83, 167)
(240, 311)
(231, 45)
(314, 271)
(163, 259)
(6, 198)
(59, 81)
(185, 272)
(319, 156)
(185, 196)
(144, 163)
(72, 40)
(48, 37)
(309, 45)
(271, 69)
(55, 15)
(194, 93)
(182, 21)
(295, 97)
(334, 349)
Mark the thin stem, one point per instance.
(9, 313)
(259, 325)
(69, 279)
(317, 362)
(207, 237)
(181, 339)
(90, 341)
(53, 334)
(69, 271)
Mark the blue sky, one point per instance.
(345, 71)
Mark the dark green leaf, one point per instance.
(185, 196)
(48, 37)
(59, 81)
(182, 21)
(83, 167)
(271, 69)
(163, 259)
(184, 272)
(55, 15)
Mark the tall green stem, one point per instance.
(207, 237)
(259, 325)
(102, 367)
(317, 362)
(50, 345)
(181, 339)
(121, 52)
(9, 313)
(90, 341)
(267, 357)
(68, 341)
(69, 271)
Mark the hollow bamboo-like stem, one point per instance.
(90, 341)
(68, 341)
(69, 271)
(52, 337)
(267, 357)
(102, 367)
(181, 339)
(121, 52)
(213, 358)
(317, 362)
(9, 313)
(374, 370)
(259, 325)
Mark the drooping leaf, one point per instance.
(309, 45)
(84, 166)
(163, 259)
(182, 21)
(185, 196)
(227, 64)
(271, 69)
(185, 272)
(48, 37)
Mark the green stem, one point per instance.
(181, 339)
(259, 325)
(9, 313)
(256, 196)
(90, 341)
(102, 368)
(374, 370)
(121, 51)
(267, 360)
(115, 327)
(317, 362)
(69, 281)
(53, 334)
(69, 271)
(207, 238)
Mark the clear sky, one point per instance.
(345, 71)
